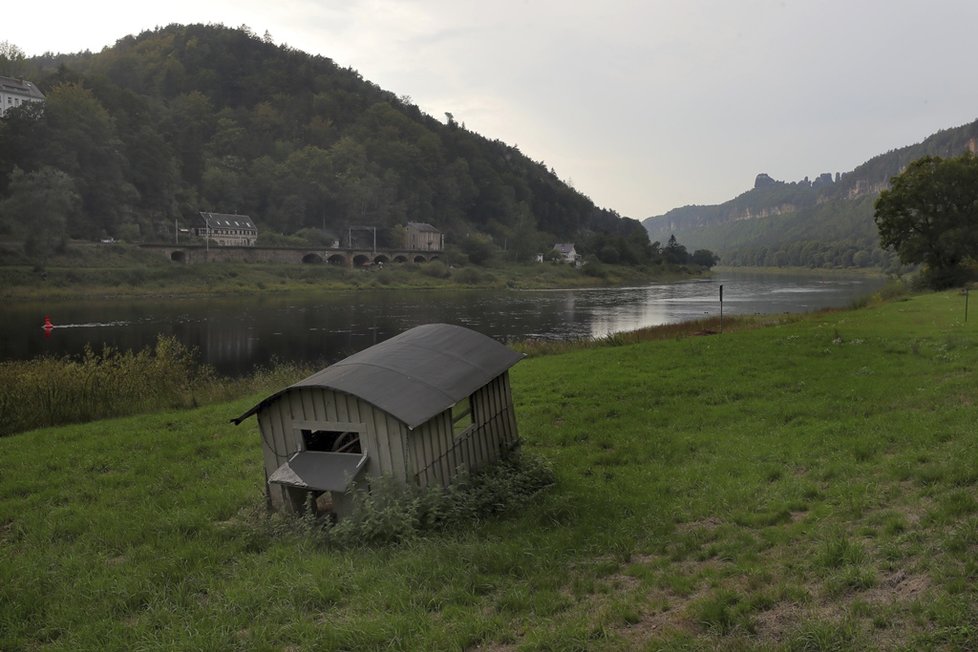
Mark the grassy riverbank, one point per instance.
(122, 270)
(809, 485)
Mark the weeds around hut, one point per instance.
(386, 512)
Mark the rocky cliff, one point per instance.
(833, 212)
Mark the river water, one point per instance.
(235, 334)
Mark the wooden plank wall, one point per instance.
(383, 439)
(439, 455)
(429, 454)
(429, 446)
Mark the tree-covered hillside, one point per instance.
(827, 222)
(140, 137)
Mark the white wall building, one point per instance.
(14, 92)
(567, 253)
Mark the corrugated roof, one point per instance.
(415, 375)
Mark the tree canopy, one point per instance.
(929, 215)
(194, 118)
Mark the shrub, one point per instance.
(48, 391)
(468, 276)
(435, 269)
(595, 269)
(390, 512)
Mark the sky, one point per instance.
(643, 106)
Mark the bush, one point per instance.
(595, 269)
(435, 269)
(390, 512)
(478, 248)
(468, 276)
(48, 391)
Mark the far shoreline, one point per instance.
(119, 272)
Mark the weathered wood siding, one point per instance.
(432, 453)
(438, 455)
(382, 437)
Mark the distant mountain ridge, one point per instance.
(827, 222)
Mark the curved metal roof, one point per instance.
(415, 375)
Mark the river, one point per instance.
(235, 333)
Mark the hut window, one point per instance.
(331, 441)
(462, 416)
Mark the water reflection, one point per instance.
(238, 333)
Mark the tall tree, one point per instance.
(40, 204)
(11, 59)
(929, 215)
(81, 140)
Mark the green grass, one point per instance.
(809, 485)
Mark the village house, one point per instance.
(424, 237)
(15, 92)
(567, 253)
(421, 407)
(227, 230)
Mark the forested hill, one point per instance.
(827, 222)
(195, 118)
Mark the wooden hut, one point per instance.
(421, 407)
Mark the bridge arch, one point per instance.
(400, 258)
(361, 260)
(381, 259)
(312, 259)
(336, 259)
(178, 256)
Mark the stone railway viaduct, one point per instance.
(192, 254)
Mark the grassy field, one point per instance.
(809, 485)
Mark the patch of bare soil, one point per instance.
(707, 524)
(898, 587)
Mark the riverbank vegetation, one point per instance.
(808, 485)
(125, 270)
(49, 391)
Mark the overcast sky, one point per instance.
(641, 105)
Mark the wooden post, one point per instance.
(721, 308)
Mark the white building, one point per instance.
(567, 253)
(14, 92)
